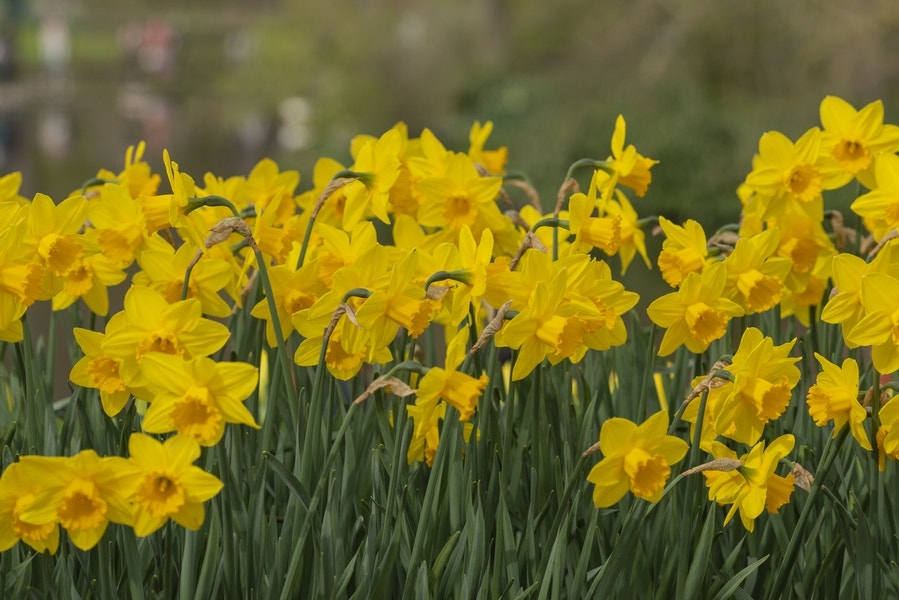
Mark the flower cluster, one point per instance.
(332, 289)
(84, 493)
(405, 261)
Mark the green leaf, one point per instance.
(698, 566)
(731, 587)
(288, 478)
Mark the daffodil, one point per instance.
(459, 390)
(632, 239)
(591, 280)
(90, 280)
(880, 206)
(53, 234)
(845, 303)
(264, 183)
(166, 484)
(888, 434)
(197, 397)
(401, 303)
(163, 269)
(294, 290)
(136, 177)
(149, 323)
(697, 313)
(755, 277)
(834, 397)
(632, 169)
(636, 458)
(99, 370)
(17, 493)
(426, 414)
(20, 273)
(379, 163)
(854, 137)
(589, 231)
(810, 251)
(684, 250)
(764, 377)
(82, 493)
(752, 486)
(120, 225)
(349, 345)
(790, 177)
(880, 325)
(468, 262)
(460, 197)
(9, 189)
(339, 249)
(549, 327)
(11, 311)
(494, 161)
(331, 212)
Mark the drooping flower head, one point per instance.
(834, 397)
(753, 486)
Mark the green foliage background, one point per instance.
(698, 81)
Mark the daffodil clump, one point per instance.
(243, 342)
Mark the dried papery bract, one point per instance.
(844, 235)
(491, 328)
(569, 186)
(333, 186)
(891, 235)
(711, 381)
(528, 190)
(530, 241)
(516, 218)
(397, 387)
(342, 309)
(804, 479)
(719, 464)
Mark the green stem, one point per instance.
(286, 371)
(650, 370)
(195, 203)
(874, 510)
(587, 162)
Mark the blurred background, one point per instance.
(224, 83)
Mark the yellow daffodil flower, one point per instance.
(855, 137)
(764, 377)
(379, 161)
(684, 250)
(494, 161)
(880, 325)
(82, 493)
(753, 486)
(755, 278)
(636, 458)
(149, 323)
(166, 484)
(697, 313)
(834, 397)
(99, 370)
(791, 177)
(163, 270)
(845, 303)
(17, 493)
(880, 206)
(197, 397)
